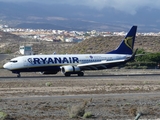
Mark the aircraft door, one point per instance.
(25, 62)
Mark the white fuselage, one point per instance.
(33, 61)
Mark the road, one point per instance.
(3, 56)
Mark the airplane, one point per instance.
(75, 63)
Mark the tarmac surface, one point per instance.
(3, 56)
(111, 94)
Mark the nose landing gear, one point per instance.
(18, 75)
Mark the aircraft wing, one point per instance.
(97, 65)
(105, 64)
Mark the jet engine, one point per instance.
(68, 70)
(71, 69)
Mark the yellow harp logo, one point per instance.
(128, 42)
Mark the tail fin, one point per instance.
(126, 46)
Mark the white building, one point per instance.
(25, 50)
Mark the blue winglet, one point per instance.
(126, 46)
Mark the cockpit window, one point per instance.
(14, 61)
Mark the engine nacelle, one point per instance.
(71, 69)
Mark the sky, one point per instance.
(128, 6)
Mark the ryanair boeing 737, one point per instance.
(75, 63)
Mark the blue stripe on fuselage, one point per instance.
(37, 69)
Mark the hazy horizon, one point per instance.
(100, 14)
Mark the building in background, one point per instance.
(25, 50)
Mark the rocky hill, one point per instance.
(10, 44)
(106, 44)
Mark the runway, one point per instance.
(98, 75)
(35, 76)
(108, 93)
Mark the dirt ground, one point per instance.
(112, 94)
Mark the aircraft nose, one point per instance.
(6, 66)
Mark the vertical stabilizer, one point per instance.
(126, 46)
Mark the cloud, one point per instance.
(128, 6)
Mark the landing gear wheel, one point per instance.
(19, 75)
(80, 74)
(67, 74)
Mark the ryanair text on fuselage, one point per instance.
(54, 60)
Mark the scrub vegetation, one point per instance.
(145, 60)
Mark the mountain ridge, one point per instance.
(83, 17)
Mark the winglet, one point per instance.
(126, 46)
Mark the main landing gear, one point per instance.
(67, 74)
(80, 74)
